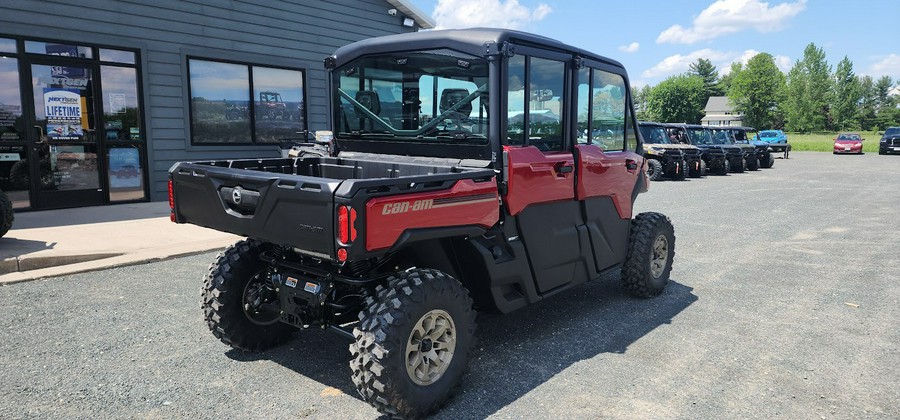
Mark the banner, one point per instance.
(64, 110)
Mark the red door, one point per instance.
(608, 174)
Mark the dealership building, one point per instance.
(98, 98)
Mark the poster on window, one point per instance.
(65, 114)
(124, 168)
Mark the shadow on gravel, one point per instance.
(513, 353)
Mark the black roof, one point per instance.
(471, 41)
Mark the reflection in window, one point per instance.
(63, 50)
(516, 101)
(584, 106)
(220, 103)
(630, 134)
(11, 124)
(279, 103)
(546, 96)
(126, 176)
(7, 45)
(121, 108)
(14, 174)
(116, 56)
(608, 110)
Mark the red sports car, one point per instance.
(848, 143)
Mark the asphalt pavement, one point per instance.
(783, 303)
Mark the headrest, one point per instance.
(450, 97)
(369, 99)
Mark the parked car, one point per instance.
(890, 141)
(777, 140)
(848, 143)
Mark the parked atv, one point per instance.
(666, 156)
(6, 214)
(764, 151)
(726, 136)
(719, 157)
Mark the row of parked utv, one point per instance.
(677, 151)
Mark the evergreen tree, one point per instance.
(757, 90)
(867, 103)
(710, 75)
(846, 97)
(882, 93)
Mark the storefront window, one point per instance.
(121, 108)
(220, 102)
(14, 178)
(279, 103)
(116, 56)
(224, 97)
(64, 50)
(11, 124)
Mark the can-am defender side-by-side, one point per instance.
(667, 157)
(764, 151)
(720, 157)
(726, 136)
(459, 182)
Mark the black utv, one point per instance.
(663, 157)
(764, 152)
(720, 158)
(726, 135)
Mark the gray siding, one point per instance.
(297, 34)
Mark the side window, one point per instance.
(584, 105)
(545, 103)
(608, 111)
(630, 133)
(516, 101)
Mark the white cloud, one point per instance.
(450, 14)
(889, 66)
(729, 16)
(677, 64)
(630, 48)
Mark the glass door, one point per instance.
(65, 169)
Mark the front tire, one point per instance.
(651, 249)
(240, 306)
(753, 164)
(412, 343)
(769, 162)
(654, 169)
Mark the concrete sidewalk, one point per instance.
(58, 242)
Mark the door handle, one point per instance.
(631, 165)
(564, 169)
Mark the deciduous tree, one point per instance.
(757, 90)
(678, 99)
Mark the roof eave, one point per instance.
(408, 9)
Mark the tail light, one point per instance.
(352, 225)
(171, 202)
(343, 224)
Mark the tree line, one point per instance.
(810, 97)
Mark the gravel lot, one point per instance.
(784, 303)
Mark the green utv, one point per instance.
(666, 157)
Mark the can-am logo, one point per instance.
(405, 206)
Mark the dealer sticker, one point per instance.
(290, 282)
(311, 287)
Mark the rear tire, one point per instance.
(6, 214)
(398, 365)
(648, 260)
(654, 169)
(753, 164)
(768, 163)
(240, 307)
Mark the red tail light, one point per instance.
(343, 224)
(171, 196)
(352, 225)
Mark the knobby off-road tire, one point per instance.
(739, 167)
(753, 164)
(235, 275)
(418, 312)
(725, 168)
(6, 214)
(654, 169)
(682, 172)
(651, 249)
(768, 163)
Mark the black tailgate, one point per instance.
(284, 209)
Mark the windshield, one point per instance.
(721, 136)
(768, 134)
(654, 135)
(424, 96)
(699, 136)
(892, 131)
(849, 137)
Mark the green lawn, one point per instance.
(824, 142)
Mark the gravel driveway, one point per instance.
(784, 303)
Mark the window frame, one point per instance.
(529, 52)
(253, 142)
(593, 66)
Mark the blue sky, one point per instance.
(657, 39)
